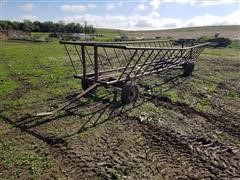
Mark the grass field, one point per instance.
(231, 32)
(108, 34)
(188, 127)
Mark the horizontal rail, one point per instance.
(112, 45)
(165, 48)
(99, 43)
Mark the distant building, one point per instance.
(98, 35)
(55, 35)
(82, 36)
(14, 34)
(139, 38)
(120, 38)
(78, 36)
(3, 32)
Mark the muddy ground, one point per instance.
(181, 128)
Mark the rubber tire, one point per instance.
(188, 69)
(129, 93)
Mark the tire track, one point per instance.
(213, 158)
(162, 153)
(225, 123)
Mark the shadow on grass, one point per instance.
(101, 110)
(100, 114)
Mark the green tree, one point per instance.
(47, 26)
(36, 25)
(27, 26)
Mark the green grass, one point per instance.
(40, 69)
(14, 158)
(40, 36)
(197, 29)
(108, 34)
(31, 65)
(32, 73)
(172, 94)
(7, 86)
(235, 44)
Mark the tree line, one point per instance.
(47, 26)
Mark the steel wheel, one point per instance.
(85, 84)
(188, 69)
(129, 92)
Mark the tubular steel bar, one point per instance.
(153, 61)
(149, 55)
(89, 57)
(108, 58)
(117, 56)
(165, 48)
(135, 52)
(83, 63)
(139, 58)
(96, 63)
(78, 53)
(88, 43)
(74, 68)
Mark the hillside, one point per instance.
(232, 32)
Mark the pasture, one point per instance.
(186, 127)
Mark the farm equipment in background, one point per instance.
(121, 64)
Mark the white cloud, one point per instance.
(28, 7)
(77, 8)
(110, 7)
(150, 21)
(213, 3)
(143, 23)
(140, 7)
(155, 4)
(201, 2)
(29, 17)
(153, 21)
(232, 19)
(73, 8)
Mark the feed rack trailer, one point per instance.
(121, 64)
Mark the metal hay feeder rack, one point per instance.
(120, 64)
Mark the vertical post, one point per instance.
(191, 50)
(96, 63)
(182, 47)
(83, 63)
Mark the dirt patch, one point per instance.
(161, 152)
(224, 122)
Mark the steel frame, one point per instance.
(158, 55)
(115, 63)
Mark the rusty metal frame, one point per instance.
(165, 56)
(136, 59)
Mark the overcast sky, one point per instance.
(127, 14)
